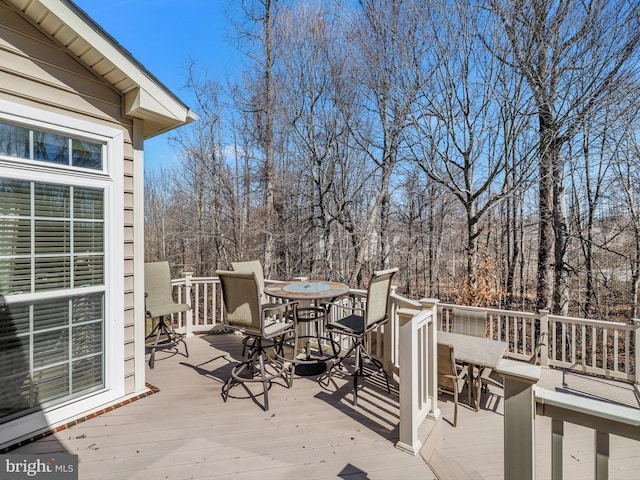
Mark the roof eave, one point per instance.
(144, 96)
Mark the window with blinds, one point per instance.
(52, 266)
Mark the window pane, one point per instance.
(15, 236)
(52, 383)
(14, 354)
(88, 308)
(52, 273)
(87, 340)
(50, 314)
(88, 270)
(51, 148)
(88, 237)
(52, 200)
(88, 203)
(14, 320)
(15, 275)
(87, 374)
(50, 347)
(52, 236)
(15, 197)
(86, 154)
(14, 141)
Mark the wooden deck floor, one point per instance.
(186, 431)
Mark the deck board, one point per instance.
(312, 431)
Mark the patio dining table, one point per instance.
(477, 352)
(310, 293)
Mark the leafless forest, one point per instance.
(488, 148)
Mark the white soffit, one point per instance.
(144, 96)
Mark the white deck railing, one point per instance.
(577, 344)
(524, 399)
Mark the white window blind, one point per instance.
(52, 248)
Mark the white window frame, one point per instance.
(111, 179)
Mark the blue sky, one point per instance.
(164, 35)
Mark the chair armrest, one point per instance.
(280, 305)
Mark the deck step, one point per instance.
(446, 469)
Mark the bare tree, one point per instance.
(318, 109)
(553, 45)
(257, 98)
(392, 45)
(467, 136)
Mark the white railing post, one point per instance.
(519, 418)
(636, 351)
(390, 332)
(417, 362)
(432, 353)
(544, 334)
(188, 320)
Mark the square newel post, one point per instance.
(519, 418)
(432, 349)
(636, 349)
(188, 318)
(417, 372)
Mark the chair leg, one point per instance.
(173, 339)
(379, 366)
(186, 350)
(356, 373)
(158, 329)
(265, 381)
(455, 405)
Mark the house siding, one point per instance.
(36, 72)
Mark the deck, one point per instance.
(186, 431)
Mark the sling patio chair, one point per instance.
(245, 313)
(451, 377)
(159, 303)
(358, 324)
(468, 321)
(272, 308)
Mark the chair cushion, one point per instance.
(166, 309)
(353, 324)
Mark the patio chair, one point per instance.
(244, 312)
(451, 377)
(159, 303)
(469, 322)
(358, 327)
(474, 322)
(272, 308)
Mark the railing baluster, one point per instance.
(573, 343)
(615, 350)
(594, 343)
(605, 363)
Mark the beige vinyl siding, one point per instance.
(36, 72)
